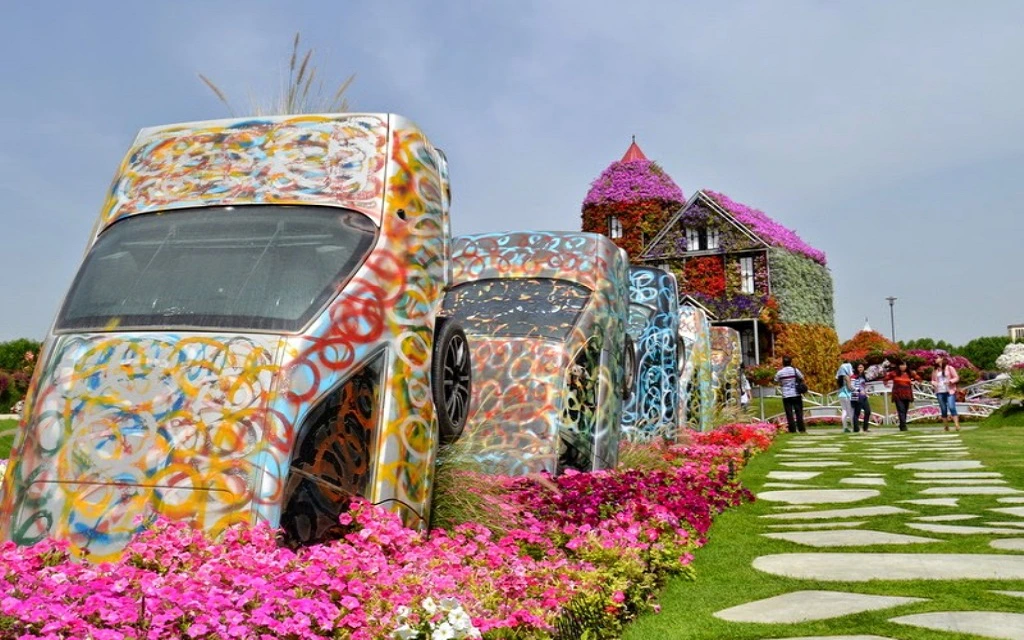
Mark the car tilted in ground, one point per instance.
(253, 336)
(726, 365)
(652, 410)
(545, 316)
(697, 396)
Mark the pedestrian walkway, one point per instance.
(939, 468)
(867, 536)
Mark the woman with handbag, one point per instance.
(793, 386)
(859, 398)
(944, 379)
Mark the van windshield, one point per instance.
(254, 267)
(518, 307)
(639, 316)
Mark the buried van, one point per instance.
(545, 316)
(253, 336)
(652, 410)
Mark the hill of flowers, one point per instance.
(577, 555)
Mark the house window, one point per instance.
(614, 227)
(712, 235)
(702, 239)
(747, 275)
(693, 239)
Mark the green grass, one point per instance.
(725, 577)
(1006, 418)
(7, 427)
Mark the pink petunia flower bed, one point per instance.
(580, 553)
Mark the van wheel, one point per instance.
(629, 364)
(451, 379)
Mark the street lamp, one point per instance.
(892, 318)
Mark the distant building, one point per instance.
(1016, 332)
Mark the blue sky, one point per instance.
(888, 134)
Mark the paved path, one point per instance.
(842, 481)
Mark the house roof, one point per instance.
(693, 302)
(633, 153)
(633, 179)
(753, 222)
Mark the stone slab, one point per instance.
(812, 450)
(951, 517)
(792, 507)
(873, 482)
(804, 606)
(1010, 511)
(970, 491)
(846, 538)
(1018, 500)
(786, 485)
(815, 464)
(793, 475)
(869, 475)
(1012, 594)
(949, 475)
(934, 502)
(960, 482)
(989, 624)
(830, 514)
(817, 525)
(961, 529)
(818, 496)
(862, 567)
(941, 465)
(1008, 544)
(1014, 523)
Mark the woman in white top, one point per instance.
(944, 379)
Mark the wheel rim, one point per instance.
(456, 380)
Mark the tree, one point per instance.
(983, 351)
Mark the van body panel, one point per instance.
(251, 392)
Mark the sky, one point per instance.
(889, 134)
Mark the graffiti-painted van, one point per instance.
(652, 411)
(697, 396)
(545, 315)
(252, 337)
(726, 365)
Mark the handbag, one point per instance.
(801, 387)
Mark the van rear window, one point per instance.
(254, 267)
(518, 307)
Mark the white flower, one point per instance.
(1013, 355)
(429, 606)
(443, 631)
(402, 613)
(460, 620)
(405, 632)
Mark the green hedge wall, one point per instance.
(803, 289)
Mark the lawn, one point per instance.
(7, 427)
(725, 577)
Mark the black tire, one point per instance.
(451, 379)
(629, 365)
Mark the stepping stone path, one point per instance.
(938, 469)
(818, 496)
(801, 606)
(989, 624)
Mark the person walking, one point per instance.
(944, 379)
(901, 382)
(859, 398)
(845, 385)
(788, 377)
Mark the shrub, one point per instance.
(868, 342)
(815, 351)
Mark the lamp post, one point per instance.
(892, 317)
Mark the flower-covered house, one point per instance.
(746, 270)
